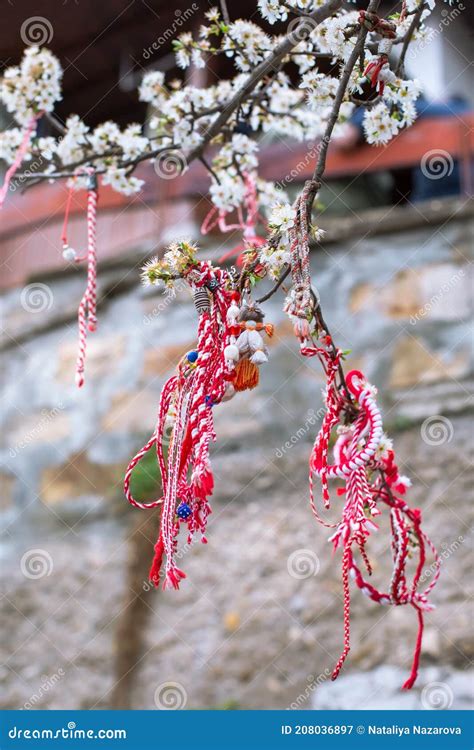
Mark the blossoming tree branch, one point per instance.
(220, 125)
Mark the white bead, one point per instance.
(231, 352)
(69, 254)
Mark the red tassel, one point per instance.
(204, 484)
(173, 577)
(154, 574)
(186, 447)
(416, 656)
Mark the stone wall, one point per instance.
(243, 631)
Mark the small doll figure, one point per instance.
(252, 350)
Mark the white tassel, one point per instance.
(231, 352)
(259, 357)
(232, 313)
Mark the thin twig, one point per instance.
(275, 287)
(340, 93)
(225, 12)
(270, 65)
(415, 23)
(267, 66)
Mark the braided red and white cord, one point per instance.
(370, 478)
(87, 312)
(186, 472)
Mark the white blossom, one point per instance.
(119, 181)
(181, 114)
(282, 217)
(33, 87)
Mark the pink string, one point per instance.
(19, 156)
(247, 222)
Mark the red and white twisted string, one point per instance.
(87, 312)
(194, 391)
(355, 453)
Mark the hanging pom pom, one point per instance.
(231, 352)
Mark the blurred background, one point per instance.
(258, 622)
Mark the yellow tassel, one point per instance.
(246, 375)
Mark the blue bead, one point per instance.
(184, 511)
(192, 356)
